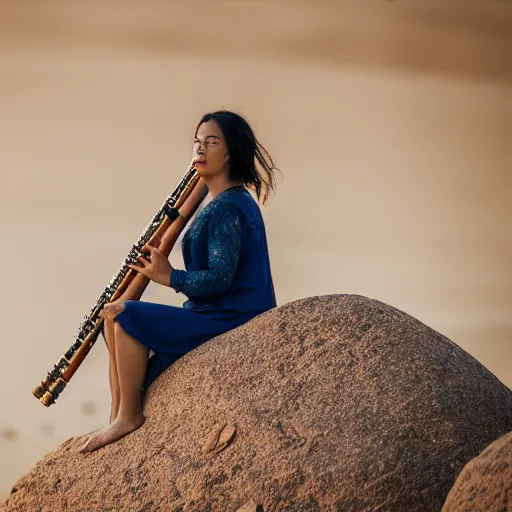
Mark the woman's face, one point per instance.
(209, 150)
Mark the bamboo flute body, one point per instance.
(128, 284)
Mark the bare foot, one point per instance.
(88, 435)
(113, 432)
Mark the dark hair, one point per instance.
(244, 150)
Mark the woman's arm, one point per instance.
(224, 246)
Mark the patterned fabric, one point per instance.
(226, 259)
(223, 228)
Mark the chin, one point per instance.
(206, 172)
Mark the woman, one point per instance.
(227, 278)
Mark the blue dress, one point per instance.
(227, 281)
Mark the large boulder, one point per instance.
(336, 403)
(485, 484)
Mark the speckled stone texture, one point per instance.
(338, 403)
(485, 484)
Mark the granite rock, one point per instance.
(485, 484)
(332, 403)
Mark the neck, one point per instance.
(218, 184)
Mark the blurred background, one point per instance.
(390, 120)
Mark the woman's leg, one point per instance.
(108, 331)
(113, 377)
(131, 358)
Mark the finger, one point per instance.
(148, 248)
(147, 252)
(143, 260)
(138, 269)
(154, 250)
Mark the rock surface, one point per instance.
(485, 484)
(337, 402)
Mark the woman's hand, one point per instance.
(157, 268)
(112, 309)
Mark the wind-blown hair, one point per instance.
(245, 151)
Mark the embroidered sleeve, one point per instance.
(224, 245)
